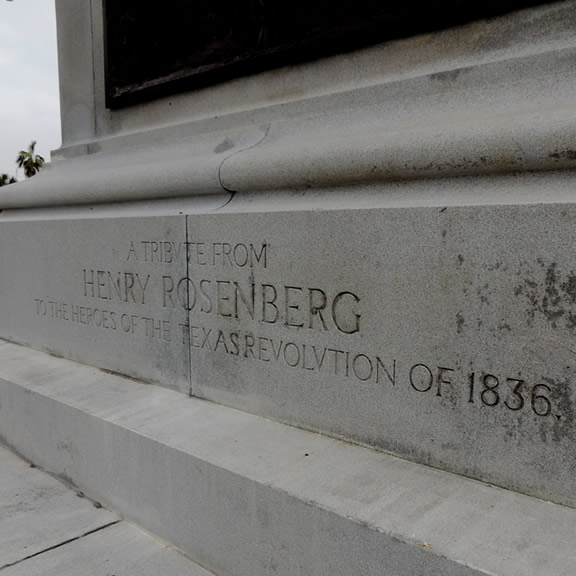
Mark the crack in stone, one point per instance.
(266, 131)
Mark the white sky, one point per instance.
(29, 101)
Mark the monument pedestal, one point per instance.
(314, 321)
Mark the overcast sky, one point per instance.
(29, 105)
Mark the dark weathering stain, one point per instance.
(554, 297)
(564, 155)
(460, 322)
(569, 287)
(448, 76)
(563, 412)
(224, 146)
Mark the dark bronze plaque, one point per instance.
(158, 48)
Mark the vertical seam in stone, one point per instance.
(189, 319)
(94, 114)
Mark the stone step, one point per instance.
(243, 495)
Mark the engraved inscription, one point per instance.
(121, 286)
(291, 353)
(513, 393)
(295, 306)
(104, 318)
(234, 309)
(225, 254)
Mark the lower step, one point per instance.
(245, 496)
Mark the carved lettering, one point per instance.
(292, 354)
(289, 305)
(157, 329)
(120, 286)
(222, 254)
(512, 393)
(292, 306)
(349, 323)
(269, 295)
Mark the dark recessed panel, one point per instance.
(158, 48)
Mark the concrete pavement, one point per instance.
(48, 529)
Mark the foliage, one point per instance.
(5, 179)
(29, 160)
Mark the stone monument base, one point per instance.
(231, 314)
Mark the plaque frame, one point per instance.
(141, 65)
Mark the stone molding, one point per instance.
(491, 97)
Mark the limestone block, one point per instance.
(91, 290)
